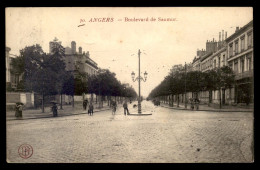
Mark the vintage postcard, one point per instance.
(129, 84)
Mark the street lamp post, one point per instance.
(139, 78)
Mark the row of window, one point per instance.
(206, 64)
(234, 51)
(245, 64)
(209, 63)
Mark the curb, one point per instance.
(57, 116)
(209, 110)
(147, 114)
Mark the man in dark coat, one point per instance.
(126, 111)
(91, 109)
(85, 103)
(55, 110)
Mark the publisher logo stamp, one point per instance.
(25, 151)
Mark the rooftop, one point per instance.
(250, 24)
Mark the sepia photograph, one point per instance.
(129, 84)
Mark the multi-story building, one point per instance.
(206, 62)
(196, 64)
(213, 57)
(76, 60)
(12, 79)
(55, 44)
(7, 64)
(240, 58)
(80, 61)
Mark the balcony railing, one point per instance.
(244, 75)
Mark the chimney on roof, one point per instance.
(226, 35)
(222, 35)
(219, 36)
(237, 28)
(80, 50)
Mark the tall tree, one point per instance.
(41, 71)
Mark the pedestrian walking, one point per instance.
(91, 109)
(54, 109)
(126, 111)
(16, 110)
(191, 103)
(19, 109)
(114, 106)
(197, 102)
(85, 104)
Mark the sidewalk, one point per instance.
(67, 110)
(205, 107)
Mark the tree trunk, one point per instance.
(172, 100)
(42, 103)
(178, 101)
(102, 101)
(185, 100)
(60, 101)
(72, 100)
(220, 106)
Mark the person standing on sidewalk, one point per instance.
(125, 108)
(85, 104)
(54, 110)
(191, 103)
(20, 110)
(91, 109)
(197, 102)
(16, 110)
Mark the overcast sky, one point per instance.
(112, 44)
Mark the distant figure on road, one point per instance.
(54, 110)
(125, 108)
(19, 110)
(114, 105)
(191, 103)
(91, 109)
(197, 102)
(85, 104)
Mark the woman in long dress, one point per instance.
(16, 110)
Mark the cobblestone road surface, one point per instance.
(172, 136)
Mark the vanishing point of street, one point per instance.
(168, 135)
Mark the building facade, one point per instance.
(12, 79)
(196, 63)
(75, 60)
(55, 44)
(80, 61)
(7, 64)
(240, 57)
